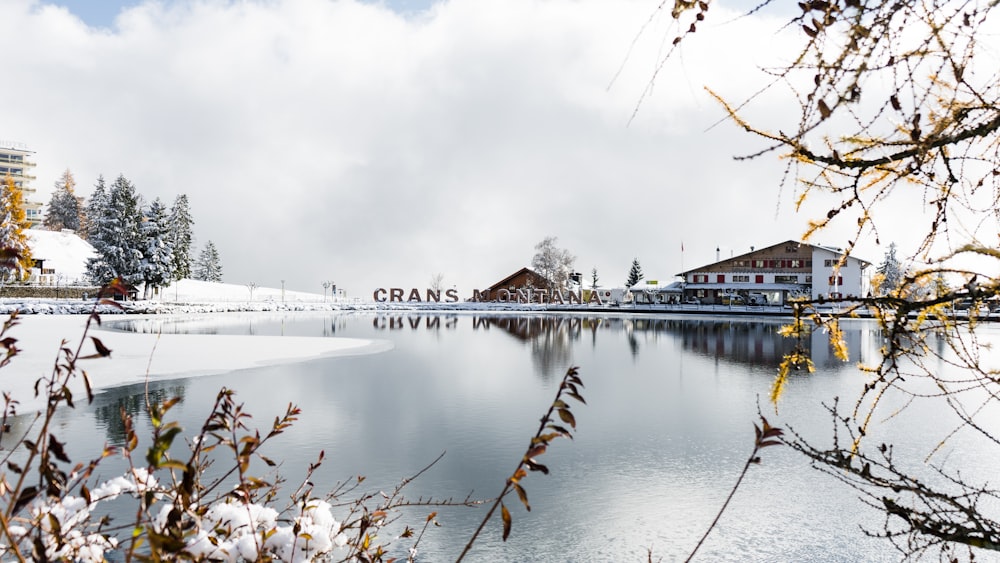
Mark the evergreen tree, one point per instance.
(157, 265)
(92, 211)
(889, 272)
(634, 274)
(117, 236)
(97, 267)
(208, 266)
(181, 237)
(15, 255)
(64, 208)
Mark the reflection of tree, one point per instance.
(550, 338)
(131, 398)
(633, 345)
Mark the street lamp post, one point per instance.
(326, 286)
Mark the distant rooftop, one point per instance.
(14, 145)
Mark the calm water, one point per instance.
(667, 428)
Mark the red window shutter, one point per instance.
(721, 278)
(759, 278)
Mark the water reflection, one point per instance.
(111, 406)
(413, 322)
(759, 343)
(739, 341)
(668, 422)
(551, 338)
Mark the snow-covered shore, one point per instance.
(43, 325)
(135, 357)
(196, 297)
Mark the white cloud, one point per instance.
(335, 140)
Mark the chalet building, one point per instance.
(777, 273)
(521, 279)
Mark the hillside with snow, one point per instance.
(63, 252)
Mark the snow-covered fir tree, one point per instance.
(635, 274)
(181, 237)
(208, 266)
(63, 211)
(889, 273)
(97, 268)
(15, 255)
(157, 264)
(92, 211)
(116, 236)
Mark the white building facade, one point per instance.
(14, 162)
(776, 274)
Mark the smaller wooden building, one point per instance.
(521, 279)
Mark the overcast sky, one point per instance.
(378, 144)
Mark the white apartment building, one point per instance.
(776, 273)
(14, 162)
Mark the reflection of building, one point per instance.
(753, 342)
(14, 162)
(774, 274)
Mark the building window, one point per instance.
(839, 280)
(809, 279)
(786, 279)
(699, 278)
(759, 279)
(831, 263)
(758, 263)
(720, 278)
(796, 264)
(741, 279)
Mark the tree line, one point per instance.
(140, 243)
(556, 265)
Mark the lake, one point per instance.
(668, 425)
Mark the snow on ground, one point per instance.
(62, 251)
(194, 291)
